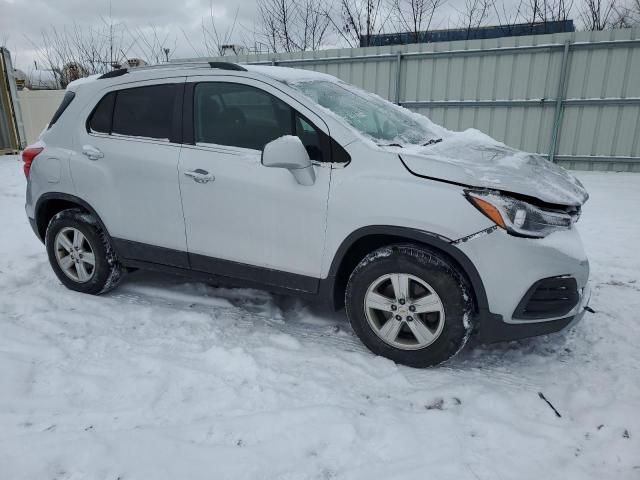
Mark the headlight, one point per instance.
(519, 217)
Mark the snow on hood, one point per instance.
(473, 158)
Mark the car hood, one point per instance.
(475, 159)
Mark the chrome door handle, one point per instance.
(200, 176)
(92, 153)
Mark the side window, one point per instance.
(137, 112)
(145, 111)
(100, 121)
(239, 115)
(243, 116)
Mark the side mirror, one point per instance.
(289, 152)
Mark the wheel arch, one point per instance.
(367, 239)
(49, 204)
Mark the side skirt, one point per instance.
(142, 252)
(214, 270)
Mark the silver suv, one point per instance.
(298, 183)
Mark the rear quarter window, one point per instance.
(66, 101)
(100, 120)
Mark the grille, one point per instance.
(548, 298)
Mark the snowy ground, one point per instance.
(163, 379)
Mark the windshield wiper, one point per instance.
(389, 145)
(433, 141)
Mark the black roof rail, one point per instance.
(227, 66)
(218, 65)
(113, 73)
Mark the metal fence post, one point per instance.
(398, 72)
(562, 90)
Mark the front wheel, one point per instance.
(80, 253)
(410, 304)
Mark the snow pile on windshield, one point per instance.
(371, 115)
(374, 117)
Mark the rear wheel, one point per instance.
(409, 304)
(80, 253)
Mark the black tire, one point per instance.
(106, 273)
(434, 269)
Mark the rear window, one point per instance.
(145, 111)
(136, 112)
(66, 100)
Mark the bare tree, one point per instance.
(356, 21)
(627, 16)
(253, 41)
(276, 19)
(215, 39)
(75, 51)
(507, 16)
(151, 45)
(546, 10)
(414, 16)
(598, 14)
(313, 24)
(475, 14)
(291, 25)
(532, 12)
(634, 14)
(561, 10)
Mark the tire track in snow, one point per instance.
(247, 309)
(243, 312)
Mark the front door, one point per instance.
(243, 219)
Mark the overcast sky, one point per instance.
(22, 21)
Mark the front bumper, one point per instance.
(508, 267)
(493, 329)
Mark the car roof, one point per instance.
(287, 74)
(180, 69)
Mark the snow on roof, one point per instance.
(287, 74)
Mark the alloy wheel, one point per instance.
(404, 311)
(74, 255)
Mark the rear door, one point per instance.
(126, 169)
(243, 219)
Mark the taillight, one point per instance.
(28, 155)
